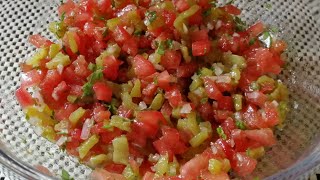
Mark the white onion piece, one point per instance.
(186, 108)
(275, 103)
(223, 79)
(219, 24)
(61, 140)
(60, 68)
(142, 105)
(85, 133)
(252, 95)
(210, 26)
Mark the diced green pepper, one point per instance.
(99, 159)
(197, 82)
(59, 59)
(157, 102)
(113, 23)
(113, 49)
(120, 122)
(280, 93)
(231, 59)
(129, 174)
(185, 53)
(72, 98)
(206, 72)
(76, 115)
(162, 165)
(199, 138)
(256, 153)
(237, 101)
(58, 28)
(127, 101)
(41, 54)
(136, 90)
(120, 150)
(182, 17)
(85, 147)
(72, 41)
(189, 124)
(54, 50)
(215, 166)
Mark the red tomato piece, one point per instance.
(39, 41)
(31, 78)
(120, 35)
(256, 98)
(64, 113)
(263, 136)
(171, 59)
(169, 17)
(24, 97)
(181, 5)
(244, 164)
(206, 111)
(102, 91)
(200, 35)
(256, 29)
(174, 97)
(142, 67)
(186, 70)
(231, 9)
(211, 89)
(131, 46)
(108, 136)
(61, 91)
(196, 19)
(200, 48)
(193, 167)
(225, 103)
(164, 80)
(111, 67)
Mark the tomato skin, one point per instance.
(39, 41)
(211, 89)
(24, 97)
(102, 91)
(209, 176)
(226, 103)
(142, 67)
(171, 59)
(150, 121)
(200, 48)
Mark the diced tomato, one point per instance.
(252, 117)
(271, 114)
(100, 113)
(192, 168)
(256, 98)
(164, 80)
(231, 9)
(64, 113)
(81, 67)
(186, 70)
(278, 46)
(150, 90)
(264, 136)
(196, 19)
(228, 125)
(221, 115)
(206, 111)
(200, 35)
(115, 168)
(104, 6)
(107, 136)
(130, 46)
(24, 97)
(111, 67)
(66, 7)
(225, 103)
(200, 48)
(142, 67)
(150, 121)
(72, 146)
(52, 79)
(174, 97)
(31, 78)
(256, 29)
(39, 41)
(225, 87)
(169, 17)
(148, 176)
(181, 5)
(61, 91)
(170, 142)
(211, 89)
(244, 164)
(120, 35)
(124, 112)
(102, 91)
(209, 176)
(70, 77)
(171, 59)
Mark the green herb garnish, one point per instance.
(207, 12)
(169, 43)
(252, 41)
(240, 125)
(87, 87)
(151, 16)
(240, 25)
(65, 175)
(221, 133)
(161, 48)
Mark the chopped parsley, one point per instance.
(240, 25)
(65, 175)
(63, 16)
(207, 12)
(248, 151)
(87, 87)
(221, 133)
(137, 33)
(252, 41)
(92, 67)
(151, 16)
(169, 43)
(240, 125)
(161, 48)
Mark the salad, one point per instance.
(143, 89)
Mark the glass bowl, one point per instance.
(298, 147)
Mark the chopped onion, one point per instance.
(252, 95)
(60, 68)
(218, 24)
(85, 133)
(236, 35)
(38, 130)
(223, 79)
(130, 30)
(218, 68)
(126, 9)
(237, 116)
(159, 67)
(142, 105)
(154, 157)
(214, 148)
(210, 26)
(62, 140)
(139, 161)
(186, 108)
(275, 103)
(239, 157)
